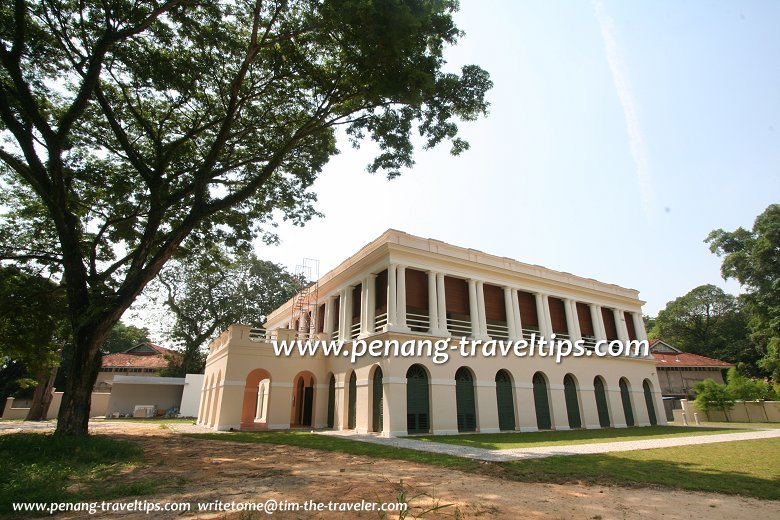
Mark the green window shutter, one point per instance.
(352, 402)
(601, 402)
(417, 406)
(626, 398)
(649, 403)
(541, 403)
(464, 397)
(572, 403)
(505, 401)
(331, 401)
(377, 425)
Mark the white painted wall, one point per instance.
(190, 399)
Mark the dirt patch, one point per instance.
(196, 470)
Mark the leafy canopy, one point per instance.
(753, 258)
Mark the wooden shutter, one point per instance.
(495, 308)
(601, 402)
(558, 315)
(630, 325)
(417, 290)
(505, 401)
(456, 291)
(626, 398)
(541, 403)
(417, 409)
(649, 403)
(529, 317)
(377, 401)
(609, 323)
(585, 320)
(466, 404)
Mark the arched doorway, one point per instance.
(352, 404)
(417, 402)
(541, 402)
(257, 383)
(331, 401)
(572, 402)
(465, 401)
(303, 405)
(649, 402)
(376, 402)
(505, 401)
(602, 405)
(625, 396)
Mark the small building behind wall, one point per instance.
(127, 392)
(401, 288)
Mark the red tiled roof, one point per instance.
(140, 360)
(686, 359)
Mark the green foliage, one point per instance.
(124, 337)
(136, 131)
(208, 294)
(709, 322)
(753, 258)
(33, 319)
(748, 389)
(713, 396)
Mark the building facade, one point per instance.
(402, 287)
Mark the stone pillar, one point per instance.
(639, 326)
(616, 407)
(558, 413)
(369, 287)
(589, 411)
(328, 325)
(391, 297)
(487, 406)
(401, 299)
(620, 325)
(481, 311)
(516, 314)
(572, 323)
(473, 309)
(510, 313)
(433, 305)
(444, 418)
(394, 407)
(641, 416)
(362, 417)
(441, 304)
(598, 322)
(348, 313)
(541, 313)
(525, 410)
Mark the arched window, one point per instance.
(377, 412)
(352, 408)
(505, 401)
(417, 402)
(541, 402)
(649, 402)
(625, 396)
(331, 401)
(572, 402)
(602, 405)
(465, 401)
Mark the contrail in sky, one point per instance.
(620, 78)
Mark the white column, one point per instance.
(327, 327)
(370, 314)
(572, 323)
(401, 299)
(441, 304)
(620, 325)
(481, 310)
(598, 322)
(473, 309)
(391, 297)
(639, 326)
(541, 315)
(433, 309)
(348, 313)
(363, 307)
(510, 313)
(516, 314)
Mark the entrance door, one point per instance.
(308, 400)
(572, 403)
(505, 400)
(541, 403)
(625, 396)
(649, 403)
(352, 408)
(601, 402)
(331, 401)
(464, 397)
(376, 405)
(417, 406)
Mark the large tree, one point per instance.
(709, 322)
(133, 131)
(208, 294)
(753, 258)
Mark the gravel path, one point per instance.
(549, 451)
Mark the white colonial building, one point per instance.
(405, 287)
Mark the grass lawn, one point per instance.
(503, 441)
(750, 468)
(43, 468)
(156, 420)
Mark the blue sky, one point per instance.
(620, 134)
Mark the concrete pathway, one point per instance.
(549, 451)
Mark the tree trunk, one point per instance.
(42, 396)
(73, 417)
